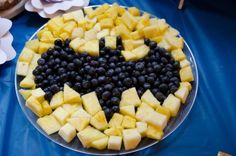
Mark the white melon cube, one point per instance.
(172, 103)
(22, 68)
(61, 115)
(67, 132)
(114, 142)
(131, 138)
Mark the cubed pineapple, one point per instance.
(114, 142)
(123, 31)
(143, 111)
(136, 35)
(186, 84)
(22, 68)
(33, 45)
(130, 97)
(99, 10)
(71, 108)
(27, 82)
(82, 23)
(178, 54)
(153, 21)
(142, 128)
(186, 74)
(57, 100)
(67, 132)
(154, 133)
(91, 47)
(77, 32)
(129, 20)
(35, 106)
(128, 122)
(141, 51)
(134, 11)
(116, 120)
(157, 119)
(43, 47)
(70, 95)
(150, 99)
(34, 61)
(64, 35)
(91, 103)
(121, 11)
(38, 94)
(102, 33)
(184, 63)
(99, 121)
(151, 31)
(110, 41)
(25, 93)
(88, 10)
(47, 37)
(61, 115)
(74, 15)
(46, 108)
(88, 135)
(182, 94)
(162, 110)
(172, 31)
(143, 22)
(49, 124)
(137, 43)
(172, 103)
(114, 131)
(175, 42)
(26, 55)
(90, 35)
(128, 55)
(131, 138)
(79, 123)
(106, 23)
(77, 43)
(100, 144)
(164, 44)
(128, 45)
(81, 113)
(112, 12)
(128, 110)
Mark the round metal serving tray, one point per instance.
(75, 145)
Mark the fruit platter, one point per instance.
(106, 80)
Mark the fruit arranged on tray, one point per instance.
(107, 75)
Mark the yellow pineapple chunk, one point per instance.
(178, 54)
(26, 55)
(79, 123)
(70, 95)
(135, 35)
(150, 99)
(34, 62)
(27, 82)
(182, 93)
(91, 47)
(43, 47)
(141, 51)
(130, 97)
(110, 41)
(67, 132)
(184, 63)
(47, 37)
(49, 124)
(114, 131)
(151, 31)
(35, 106)
(38, 94)
(77, 43)
(64, 35)
(175, 42)
(91, 103)
(99, 121)
(100, 144)
(77, 32)
(128, 110)
(25, 93)
(142, 128)
(81, 113)
(131, 138)
(121, 11)
(186, 84)
(123, 31)
(134, 11)
(128, 122)
(164, 111)
(57, 100)
(71, 108)
(164, 44)
(74, 15)
(112, 12)
(129, 20)
(114, 142)
(106, 23)
(137, 43)
(33, 45)
(88, 10)
(172, 103)
(102, 16)
(90, 35)
(69, 26)
(99, 10)
(89, 135)
(61, 115)
(154, 133)
(22, 68)
(46, 108)
(128, 45)
(143, 22)
(186, 74)
(116, 120)
(102, 33)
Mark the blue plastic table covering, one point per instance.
(208, 27)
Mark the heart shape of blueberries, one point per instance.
(109, 74)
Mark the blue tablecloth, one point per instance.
(208, 27)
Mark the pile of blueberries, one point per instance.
(109, 74)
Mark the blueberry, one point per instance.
(116, 92)
(48, 95)
(164, 60)
(136, 73)
(160, 96)
(108, 87)
(101, 79)
(77, 86)
(173, 89)
(152, 44)
(121, 76)
(146, 85)
(117, 70)
(110, 72)
(106, 95)
(163, 87)
(115, 109)
(86, 84)
(41, 61)
(127, 82)
(141, 80)
(44, 55)
(157, 68)
(165, 79)
(115, 101)
(146, 41)
(101, 70)
(71, 66)
(99, 90)
(54, 88)
(36, 72)
(150, 80)
(58, 42)
(63, 63)
(118, 40)
(139, 66)
(67, 42)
